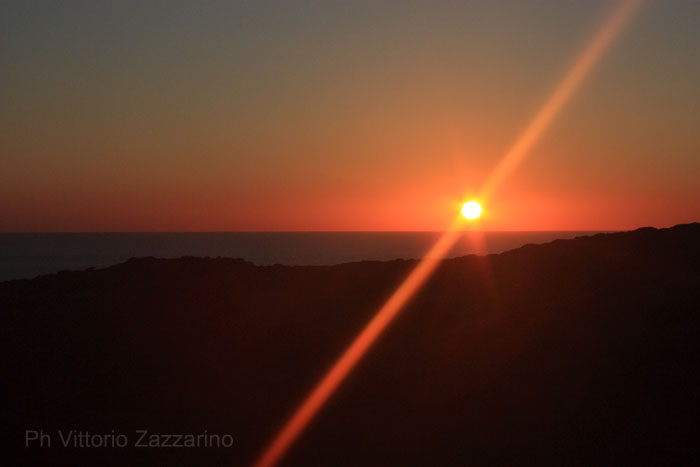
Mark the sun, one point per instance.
(471, 210)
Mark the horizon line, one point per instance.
(33, 232)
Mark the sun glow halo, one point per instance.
(471, 210)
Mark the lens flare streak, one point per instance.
(424, 269)
(357, 349)
(601, 41)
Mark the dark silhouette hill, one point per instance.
(578, 352)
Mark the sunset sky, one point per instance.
(376, 115)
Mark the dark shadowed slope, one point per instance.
(576, 351)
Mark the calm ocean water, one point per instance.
(28, 255)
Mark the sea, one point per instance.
(27, 255)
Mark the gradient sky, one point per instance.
(288, 115)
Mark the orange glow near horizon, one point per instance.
(424, 269)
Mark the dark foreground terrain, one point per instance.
(582, 351)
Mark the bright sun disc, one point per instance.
(471, 210)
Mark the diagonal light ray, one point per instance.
(424, 269)
(532, 133)
(357, 349)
